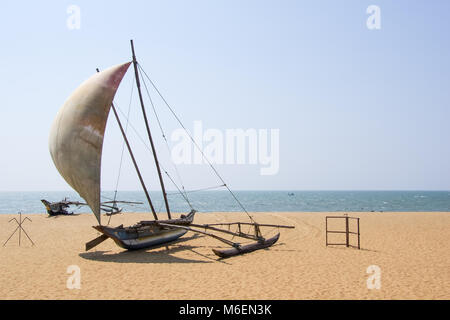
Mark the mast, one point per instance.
(133, 159)
(136, 73)
(134, 162)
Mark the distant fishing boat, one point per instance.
(75, 143)
(58, 208)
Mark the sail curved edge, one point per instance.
(76, 135)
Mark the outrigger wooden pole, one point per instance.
(199, 231)
(250, 224)
(133, 159)
(136, 73)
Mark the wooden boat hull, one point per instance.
(145, 234)
(226, 253)
(145, 237)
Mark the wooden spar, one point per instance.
(238, 234)
(133, 159)
(257, 231)
(144, 222)
(346, 232)
(136, 73)
(236, 247)
(257, 236)
(134, 162)
(233, 244)
(119, 201)
(359, 238)
(108, 206)
(252, 224)
(93, 243)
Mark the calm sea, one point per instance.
(207, 201)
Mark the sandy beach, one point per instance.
(412, 251)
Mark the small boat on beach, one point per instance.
(60, 208)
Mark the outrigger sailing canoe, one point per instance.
(75, 143)
(60, 207)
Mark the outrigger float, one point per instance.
(76, 140)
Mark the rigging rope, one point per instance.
(162, 133)
(179, 191)
(123, 146)
(203, 189)
(123, 142)
(196, 145)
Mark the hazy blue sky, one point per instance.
(356, 108)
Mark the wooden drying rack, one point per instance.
(347, 231)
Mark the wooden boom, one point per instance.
(251, 224)
(198, 231)
(226, 253)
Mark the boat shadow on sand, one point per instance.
(63, 215)
(150, 256)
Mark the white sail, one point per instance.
(76, 136)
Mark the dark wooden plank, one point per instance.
(347, 240)
(93, 243)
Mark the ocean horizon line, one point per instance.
(253, 200)
(255, 190)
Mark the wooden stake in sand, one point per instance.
(20, 228)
